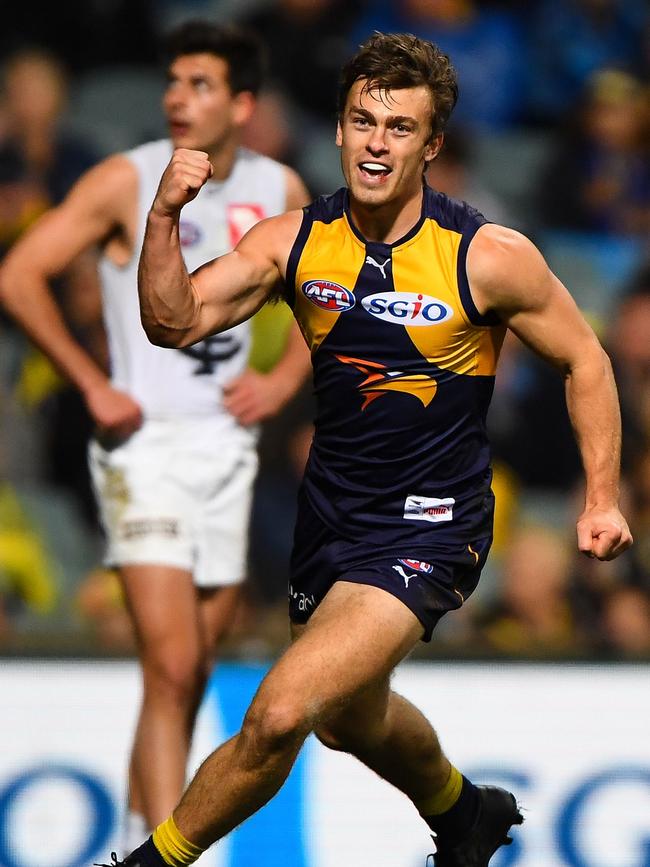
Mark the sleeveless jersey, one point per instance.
(181, 382)
(404, 369)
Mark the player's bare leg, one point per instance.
(391, 737)
(176, 646)
(334, 675)
(394, 739)
(355, 638)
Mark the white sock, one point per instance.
(134, 832)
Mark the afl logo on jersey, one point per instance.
(407, 308)
(328, 295)
(190, 233)
(418, 565)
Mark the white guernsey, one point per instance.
(171, 382)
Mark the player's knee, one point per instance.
(273, 726)
(177, 679)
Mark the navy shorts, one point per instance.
(430, 579)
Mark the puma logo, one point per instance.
(374, 263)
(406, 577)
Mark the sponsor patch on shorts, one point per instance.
(137, 529)
(429, 509)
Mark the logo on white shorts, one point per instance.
(142, 527)
(429, 509)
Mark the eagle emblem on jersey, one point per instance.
(380, 380)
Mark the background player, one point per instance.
(173, 464)
(359, 267)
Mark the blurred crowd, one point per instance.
(551, 136)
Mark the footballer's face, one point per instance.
(385, 140)
(201, 109)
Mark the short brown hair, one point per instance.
(241, 50)
(390, 61)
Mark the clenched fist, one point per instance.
(181, 181)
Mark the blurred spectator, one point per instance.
(38, 161)
(451, 173)
(638, 560)
(529, 424)
(534, 614)
(28, 580)
(626, 623)
(484, 44)
(570, 40)
(629, 345)
(38, 164)
(598, 180)
(269, 131)
(88, 33)
(307, 43)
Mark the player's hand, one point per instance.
(253, 397)
(115, 413)
(603, 533)
(186, 173)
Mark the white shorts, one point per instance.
(176, 494)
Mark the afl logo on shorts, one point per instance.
(418, 565)
(328, 295)
(407, 308)
(190, 234)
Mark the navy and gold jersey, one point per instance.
(404, 369)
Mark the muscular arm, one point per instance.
(90, 214)
(508, 275)
(179, 309)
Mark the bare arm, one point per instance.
(508, 275)
(89, 215)
(178, 309)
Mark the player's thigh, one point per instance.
(353, 641)
(370, 703)
(163, 604)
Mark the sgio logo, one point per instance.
(328, 295)
(407, 308)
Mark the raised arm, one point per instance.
(92, 213)
(508, 274)
(179, 309)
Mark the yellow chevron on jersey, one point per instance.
(426, 265)
(430, 261)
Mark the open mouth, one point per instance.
(179, 127)
(376, 172)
